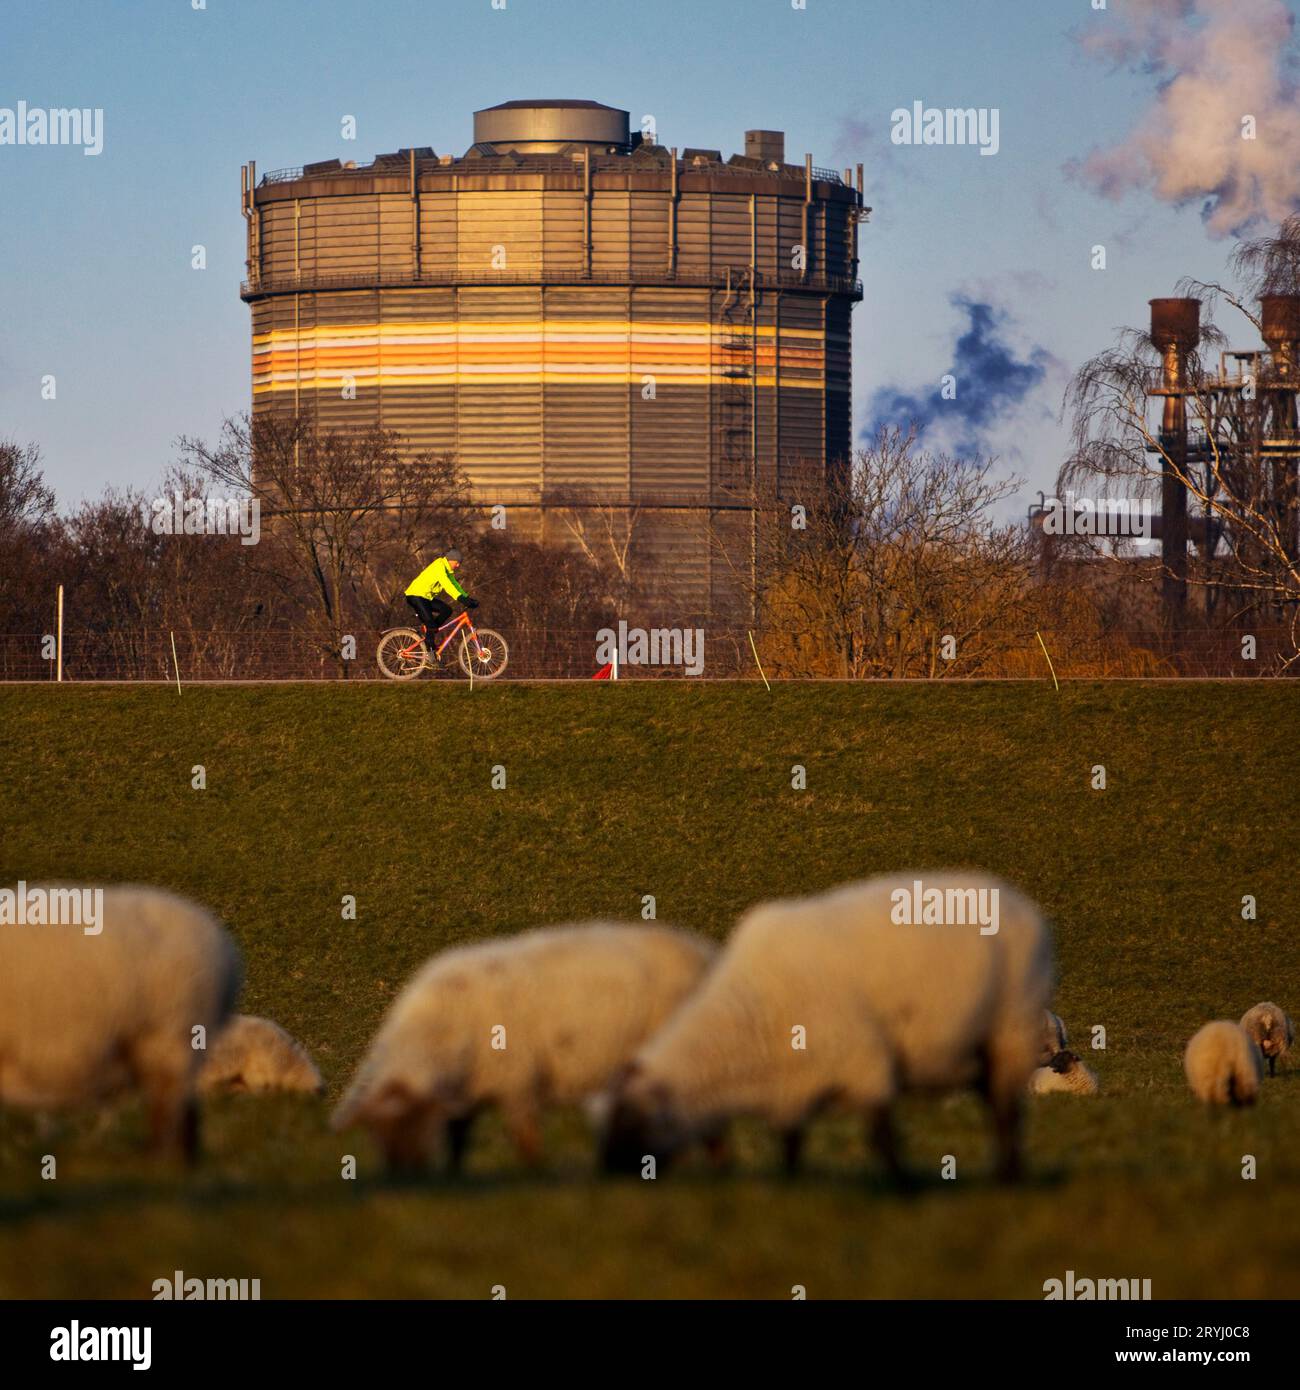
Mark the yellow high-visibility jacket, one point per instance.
(435, 577)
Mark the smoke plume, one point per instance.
(990, 382)
(1216, 63)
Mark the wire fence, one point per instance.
(656, 653)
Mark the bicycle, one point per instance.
(402, 653)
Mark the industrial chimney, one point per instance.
(1175, 331)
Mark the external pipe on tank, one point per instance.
(415, 215)
(248, 221)
(807, 206)
(586, 211)
(1175, 332)
(672, 214)
(255, 238)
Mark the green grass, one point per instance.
(683, 792)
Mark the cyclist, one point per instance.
(422, 594)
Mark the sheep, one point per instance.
(1054, 1038)
(834, 1001)
(1065, 1072)
(253, 1054)
(83, 1017)
(545, 1017)
(1271, 1031)
(1223, 1065)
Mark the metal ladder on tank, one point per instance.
(736, 393)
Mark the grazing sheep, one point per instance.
(1271, 1031)
(1065, 1072)
(1223, 1065)
(254, 1054)
(1054, 1040)
(830, 1001)
(546, 1017)
(85, 1016)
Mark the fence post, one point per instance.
(58, 641)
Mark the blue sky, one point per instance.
(95, 278)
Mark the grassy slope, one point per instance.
(684, 792)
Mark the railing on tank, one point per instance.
(547, 164)
(364, 280)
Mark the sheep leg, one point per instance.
(792, 1148)
(174, 1123)
(881, 1137)
(1006, 1127)
(1272, 1066)
(458, 1141)
(717, 1145)
(525, 1133)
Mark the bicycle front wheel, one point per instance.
(485, 658)
(401, 654)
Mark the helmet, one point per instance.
(453, 555)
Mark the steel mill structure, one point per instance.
(1246, 435)
(618, 341)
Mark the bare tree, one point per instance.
(29, 537)
(343, 514)
(864, 570)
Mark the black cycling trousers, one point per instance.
(433, 613)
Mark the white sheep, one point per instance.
(832, 1002)
(1054, 1038)
(253, 1054)
(1223, 1065)
(1065, 1072)
(545, 1017)
(83, 1017)
(1271, 1031)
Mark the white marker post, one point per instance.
(58, 642)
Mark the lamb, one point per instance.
(253, 1054)
(84, 1017)
(1054, 1038)
(1271, 1031)
(545, 1017)
(833, 1001)
(1223, 1065)
(1065, 1072)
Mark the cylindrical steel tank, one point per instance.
(593, 324)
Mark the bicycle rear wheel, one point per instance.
(401, 654)
(486, 659)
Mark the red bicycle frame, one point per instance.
(462, 619)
